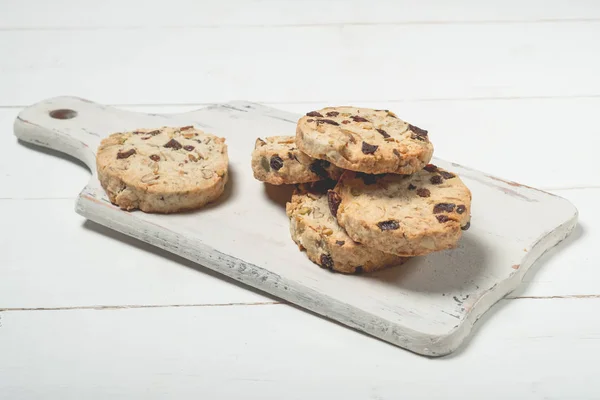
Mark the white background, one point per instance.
(510, 87)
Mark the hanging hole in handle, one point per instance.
(63, 113)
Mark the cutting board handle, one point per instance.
(62, 124)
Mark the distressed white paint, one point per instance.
(427, 306)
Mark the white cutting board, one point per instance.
(428, 305)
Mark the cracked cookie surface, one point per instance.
(164, 170)
(407, 215)
(277, 160)
(364, 140)
(315, 230)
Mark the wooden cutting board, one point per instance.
(428, 305)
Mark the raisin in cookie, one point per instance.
(163, 170)
(277, 160)
(407, 215)
(364, 140)
(314, 229)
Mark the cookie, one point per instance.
(407, 215)
(277, 160)
(364, 140)
(162, 170)
(315, 229)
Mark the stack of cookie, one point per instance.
(367, 196)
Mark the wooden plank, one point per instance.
(515, 139)
(131, 14)
(279, 352)
(28, 171)
(104, 268)
(501, 137)
(307, 63)
(52, 258)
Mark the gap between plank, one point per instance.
(305, 25)
(274, 103)
(264, 303)
(582, 187)
(136, 306)
(566, 296)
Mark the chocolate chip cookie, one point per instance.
(163, 170)
(407, 215)
(364, 140)
(315, 229)
(277, 160)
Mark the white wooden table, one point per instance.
(512, 89)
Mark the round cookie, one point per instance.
(162, 170)
(277, 160)
(364, 140)
(314, 229)
(407, 215)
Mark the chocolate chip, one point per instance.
(173, 144)
(327, 121)
(389, 225)
(358, 270)
(340, 242)
(185, 128)
(153, 133)
(318, 167)
(383, 133)
(461, 209)
(411, 186)
(397, 153)
(418, 133)
(292, 156)
(125, 154)
(447, 175)
(332, 114)
(357, 118)
(310, 120)
(442, 218)
(334, 201)
(417, 130)
(436, 179)
(369, 148)
(466, 226)
(276, 163)
(443, 207)
(422, 192)
(188, 147)
(431, 168)
(155, 157)
(146, 137)
(326, 261)
(345, 122)
(419, 137)
(314, 114)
